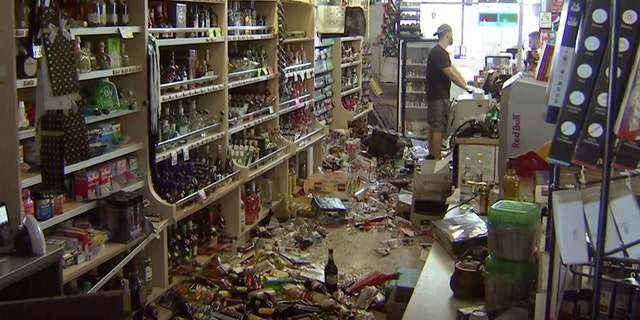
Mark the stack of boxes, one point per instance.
(510, 269)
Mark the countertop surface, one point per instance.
(14, 268)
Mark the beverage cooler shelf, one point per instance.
(191, 93)
(180, 149)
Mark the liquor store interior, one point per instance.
(320, 159)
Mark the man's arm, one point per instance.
(455, 77)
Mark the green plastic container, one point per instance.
(508, 283)
(514, 227)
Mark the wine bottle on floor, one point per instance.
(331, 274)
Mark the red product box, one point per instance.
(85, 184)
(121, 167)
(105, 174)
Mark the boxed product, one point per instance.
(591, 200)
(626, 214)
(627, 124)
(188, 58)
(592, 42)
(570, 226)
(104, 136)
(592, 136)
(563, 58)
(337, 184)
(121, 213)
(627, 155)
(86, 185)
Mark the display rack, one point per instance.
(597, 265)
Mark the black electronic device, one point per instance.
(5, 230)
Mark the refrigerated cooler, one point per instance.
(412, 99)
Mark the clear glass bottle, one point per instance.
(125, 61)
(83, 60)
(86, 48)
(93, 13)
(511, 182)
(102, 58)
(182, 122)
(102, 13)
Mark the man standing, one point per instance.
(533, 54)
(440, 74)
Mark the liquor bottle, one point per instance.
(125, 61)
(302, 171)
(331, 274)
(111, 13)
(195, 20)
(102, 58)
(479, 166)
(123, 13)
(83, 60)
(182, 123)
(228, 167)
(93, 13)
(27, 66)
(511, 181)
(136, 287)
(187, 255)
(102, 13)
(193, 237)
(147, 273)
(171, 70)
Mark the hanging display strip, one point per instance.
(591, 142)
(594, 34)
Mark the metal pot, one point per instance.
(467, 281)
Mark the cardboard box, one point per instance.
(395, 306)
(626, 213)
(177, 15)
(337, 184)
(86, 184)
(592, 43)
(570, 227)
(591, 200)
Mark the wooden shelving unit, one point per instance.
(211, 93)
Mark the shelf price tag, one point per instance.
(270, 109)
(125, 33)
(185, 153)
(212, 33)
(174, 158)
(202, 196)
(297, 101)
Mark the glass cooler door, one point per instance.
(412, 100)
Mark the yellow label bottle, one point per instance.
(511, 182)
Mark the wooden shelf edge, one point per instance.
(215, 196)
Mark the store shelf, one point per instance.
(416, 65)
(416, 92)
(416, 136)
(30, 179)
(350, 64)
(297, 67)
(191, 134)
(356, 38)
(252, 123)
(323, 45)
(304, 73)
(188, 41)
(264, 212)
(244, 82)
(110, 250)
(124, 31)
(251, 37)
(422, 78)
(223, 187)
(309, 139)
(26, 133)
(26, 83)
(297, 104)
(74, 208)
(263, 165)
(119, 152)
(191, 93)
(362, 113)
(416, 107)
(323, 71)
(188, 82)
(158, 228)
(293, 40)
(98, 74)
(351, 91)
(200, 1)
(175, 151)
(110, 115)
(247, 28)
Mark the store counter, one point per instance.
(432, 298)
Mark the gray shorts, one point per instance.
(438, 112)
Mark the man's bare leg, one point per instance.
(435, 144)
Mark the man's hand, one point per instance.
(471, 89)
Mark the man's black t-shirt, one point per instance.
(438, 84)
